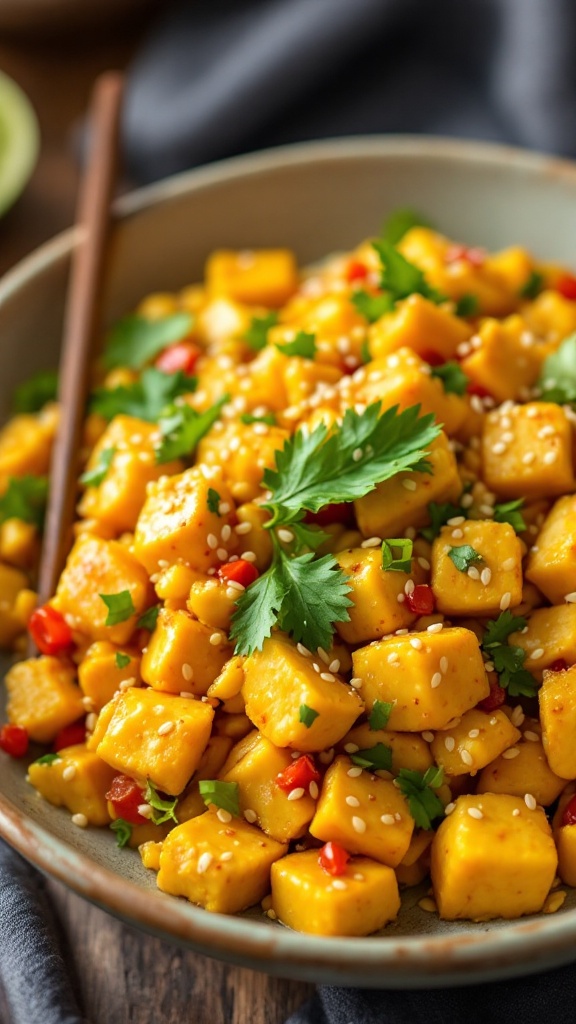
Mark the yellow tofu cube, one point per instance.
(77, 780)
(479, 589)
(103, 669)
(176, 521)
(214, 757)
(243, 453)
(430, 683)
(117, 500)
(43, 697)
(403, 500)
(527, 451)
(95, 567)
(551, 634)
(551, 316)
(282, 690)
(477, 739)
(363, 813)
(154, 736)
(26, 445)
(264, 277)
(211, 603)
(223, 868)
(565, 838)
(19, 543)
(557, 697)
(376, 609)
(409, 750)
(308, 899)
(498, 861)
(552, 561)
(12, 582)
(420, 325)
(180, 657)
(230, 681)
(507, 360)
(527, 772)
(302, 377)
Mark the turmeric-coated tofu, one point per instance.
(507, 359)
(477, 739)
(95, 567)
(214, 757)
(262, 277)
(550, 635)
(180, 657)
(493, 856)
(43, 697)
(479, 589)
(360, 901)
(420, 325)
(363, 813)
(154, 736)
(431, 678)
(294, 700)
(527, 451)
(552, 561)
(176, 521)
(243, 452)
(520, 769)
(550, 316)
(221, 867)
(104, 668)
(557, 697)
(78, 780)
(376, 609)
(26, 444)
(12, 582)
(565, 838)
(408, 749)
(403, 500)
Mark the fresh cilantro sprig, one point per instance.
(47, 759)
(425, 805)
(213, 501)
(163, 810)
(452, 376)
(439, 516)
(248, 418)
(509, 512)
(303, 344)
(123, 830)
(120, 607)
(135, 340)
(464, 556)
(397, 554)
(467, 305)
(25, 498)
(182, 427)
(380, 714)
(222, 794)
(400, 278)
(400, 222)
(94, 477)
(149, 618)
(557, 381)
(257, 334)
(307, 715)
(377, 758)
(508, 660)
(533, 286)
(372, 307)
(146, 398)
(35, 393)
(122, 660)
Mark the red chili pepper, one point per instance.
(333, 858)
(50, 631)
(569, 814)
(299, 774)
(126, 796)
(14, 740)
(421, 601)
(70, 735)
(181, 356)
(559, 665)
(341, 512)
(432, 357)
(356, 271)
(478, 389)
(495, 698)
(239, 571)
(566, 286)
(474, 256)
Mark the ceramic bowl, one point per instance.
(19, 141)
(316, 198)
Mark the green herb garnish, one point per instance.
(257, 334)
(425, 805)
(371, 306)
(164, 810)
(557, 381)
(222, 794)
(452, 376)
(122, 660)
(25, 498)
(146, 398)
(380, 714)
(302, 345)
(182, 428)
(34, 394)
(149, 618)
(307, 715)
(93, 477)
(509, 512)
(533, 286)
(400, 222)
(378, 758)
(397, 554)
(120, 607)
(508, 660)
(47, 759)
(135, 340)
(213, 501)
(439, 516)
(123, 830)
(467, 305)
(464, 556)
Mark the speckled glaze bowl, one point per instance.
(316, 198)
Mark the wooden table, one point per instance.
(124, 976)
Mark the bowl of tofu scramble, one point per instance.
(305, 696)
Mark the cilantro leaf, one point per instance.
(498, 630)
(248, 418)
(380, 714)
(146, 398)
(121, 660)
(314, 597)
(35, 393)
(165, 809)
(464, 556)
(93, 477)
(452, 376)
(307, 715)
(123, 830)
(425, 805)
(256, 613)
(365, 353)
(47, 759)
(222, 794)
(397, 554)
(120, 607)
(213, 501)
(135, 340)
(557, 381)
(302, 345)
(533, 286)
(257, 333)
(509, 512)
(316, 468)
(371, 306)
(400, 222)
(149, 618)
(25, 498)
(467, 305)
(439, 515)
(508, 660)
(400, 278)
(378, 758)
(182, 428)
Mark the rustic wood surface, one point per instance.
(125, 977)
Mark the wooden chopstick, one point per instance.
(80, 323)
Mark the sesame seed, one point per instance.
(537, 653)
(223, 815)
(507, 436)
(475, 812)
(186, 694)
(499, 448)
(532, 737)
(354, 772)
(428, 736)
(516, 812)
(250, 815)
(466, 756)
(393, 658)
(530, 801)
(212, 541)
(243, 528)
(69, 772)
(286, 536)
(409, 485)
(328, 677)
(409, 587)
(303, 650)
(296, 794)
(517, 716)
(215, 639)
(486, 576)
(323, 654)
(474, 733)
(339, 883)
(357, 454)
(371, 542)
(352, 801)
(223, 508)
(473, 573)
(334, 666)
(87, 703)
(231, 594)
(187, 671)
(222, 554)
(80, 820)
(358, 824)
(91, 721)
(351, 748)
(227, 855)
(401, 598)
(508, 564)
(571, 597)
(226, 532)
(423, 563)
(127, 683)
(435, 627)
(316, 666)
(450, 743)
(358, 877)
(457, 534)
(416, 643)
(204, 862)
(145, 810)
(436, 680)
(486, 510)
(489, 666)
(505, 601)
(387, 819)
(443, 664)
(449, 808)
(355, 682)
(165, 728)
(313, 790)
(549, 458)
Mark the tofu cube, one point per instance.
(43, 697)
(78, 780)
(477, 740)
(100, 675)
(565, 838)
(552, 561)
(376, 609)
(430, 684)
(480, 589)
(26, 445)
(499, 861)
(306, 898)
(279, 682)
(409, 750)
(557, 697)
(551, 634)
(214, 757)
(527, 451)
(351, 810)
(403, 500)
(155, 736)
(508, 359)
(527, 772)
(94, 567)
(223, 868)
(12, 582)
(180, 656)
(259, 277)
(243, 453)
(421, 326)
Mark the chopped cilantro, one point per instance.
(400, 222)
(509, 512)
(122, 660)
(257, 333)
(467, 305)
(425, 805)
(400, 278)
(123, 830)
(182, 428)
(439, 516)
(557, 381)
(25, 498)
(302, 345)
(149, 618)
(307, 715)
(533, 286)
(397, 554)
(365, 354)
(222, 794)
(248, 418)
(380, 714)
(120, 607)
(213, 501)
(93, 477)
(165, 809)
(146, 398)
(508, 660)
(371, 306)
(135, 340)
(378, 758)
(452, 376)
(464, 556)
(48, 759)
(34, 394)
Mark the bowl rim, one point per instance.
(396, 961)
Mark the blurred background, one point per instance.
(210, 78)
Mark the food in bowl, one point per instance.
(315, 639)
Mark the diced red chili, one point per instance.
(239, 571)
(559, 665)
(567, 287)
(569, 814)
(495, 698)
(126, 797)
(356, 271)
(474, 256)
(181, 356)
(432, 357)
(299, 774)
(421, 601)
(478, 389)
(70, 735)
(14, 740)
(342, 512)
(50, 631)
(333, 858)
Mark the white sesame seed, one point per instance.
(328, 677)
(358, 877)
(231, 594)
(186, 694)
(243, 528)
(473, 572)
(357, 454)
(387, 819)
(80, 820)
(499, 448)
(238, 587)
(212, 541)
(393, 658)
(187, 671)
(91, 721)
(334, 665)
(489, 666)
(505, 601)
(517, 716)
(423, 563)
(313, 790)
(286, 536)
(516, 812)
(409, 485)
(250, 815)
(356, 683)
(227, 855)
(456, 521)
(571, 597)
(339, 883)
(436, 680)
(223, 508)
(508, 564)
(354, 772)
(532, 737)
(222, 554)
(69, 772)
(537, 653)
(486, 510)
(303, 650)
(145, 810)
(466, 757)
(165, 728)
(486, 576)
(223, 815)
(443, 664)
(371, 542)
(457, 534)
(358, 824)
(449, 808)
(351, 748)
(416, 643)
(549, 458)
(509, 754)
(474, 733)
(450, 743)
(409, 587)
(296, 794)
(530, 802)
(401, 598)
(475, 812)
(127, 683)
(428, 736)
(215, 639)
(204, 861)
(435, 627)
